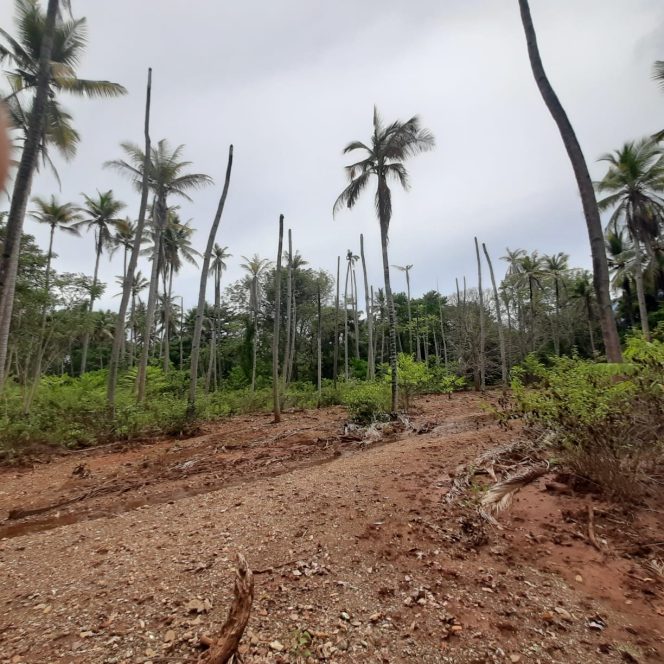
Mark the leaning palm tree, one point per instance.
(255, 267)
(100, 216)
(43, 62)
(389, 147)
(166, 177)
(633, 184)
(584, 183)
(62, 217)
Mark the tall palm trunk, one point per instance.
(391, 317)
(443, 336)
(335, 368)
(356, 321)
(410, 319)
(370, 349)
(160, 221)
(254, 351)
(501, 332)
(127, 286)
(200, 309)
(93, 297)
(23, 185)
(482, 349)
(588, 200)
(319, 355)
(589, 314)
(640, 289)
(346, 323)
(167, 321)
(291, 359)
(275, 336)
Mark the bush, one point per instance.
(367, 402)
(607, 418)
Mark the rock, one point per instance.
(344, 616)
(169, 636)
(515, 658)
(564, 614)
(277, 646)
(195, 606)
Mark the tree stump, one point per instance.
(226, 644)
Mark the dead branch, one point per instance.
(591, 529)
(499, 496)
(225, 646)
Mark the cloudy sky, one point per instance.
(290, 82)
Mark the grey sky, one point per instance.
(290, 82)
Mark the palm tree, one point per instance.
(166, 177)
(369, 307)
(407, 269)
(43, 60)
(582, 290)
(531, 270)
(556, 266)
(584, 183)
(255, 267)
(101, 217)
(294, 261)
(621, 264)
(58, 216)
(138, 284)
(389, 147)
(124, 238)
(658, 75)
(217, 267)
(633, 182)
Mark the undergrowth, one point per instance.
(608, 419)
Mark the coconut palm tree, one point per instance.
(658, 75)
(584, 183)
(582, 290)
(407, 269)
(62, 217)
(217, 267)
(633, 183)
(123, 238)
(388, 148)
(100, 216)
(531, 271)
(166, 177)
(556, 266)
(621, 264)
(255, 267)
(43, 62)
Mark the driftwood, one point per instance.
(226, 644)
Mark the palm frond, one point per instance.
(348, 197)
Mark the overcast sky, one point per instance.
(290, 82)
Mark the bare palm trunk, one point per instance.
(346, 323)
(369, 306)
(291, 360)
(167, 321)
(556, 327)
(590, 209)
(391, 318)
(335, 368)
(501, 332)
(23, 185)
(200, 309)
(410, 319)
(254, 345)
(127, 285)
(319, 354)
(443, 336)
(356, 322)
(93, 294)
(275, 336)
(482, 349)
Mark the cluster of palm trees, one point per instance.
(535, 308)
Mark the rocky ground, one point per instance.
(126, 553)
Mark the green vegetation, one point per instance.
(608, 419)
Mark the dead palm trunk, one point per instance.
(335, 368)
(275, 336)
(93, 296)
(291, 359)
(370, 348)
(127, 285)
(200, 309)
(167, 320)
(254, 346)
(319, 372)
(501, 333)
(23, 185)
(346, 323)
(482, 349)
(353, 288)
(410, 319)
(589, 313)
(443, 336)
(588, 200)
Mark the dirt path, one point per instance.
(359, 558)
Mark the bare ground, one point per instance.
(125, 554)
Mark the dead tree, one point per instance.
(226, 644)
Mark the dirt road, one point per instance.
(125, 554)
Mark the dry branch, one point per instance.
(499, 497)
(226, 645)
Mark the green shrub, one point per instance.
(367, 402)
(607, 418)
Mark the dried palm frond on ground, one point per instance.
(499, 497)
